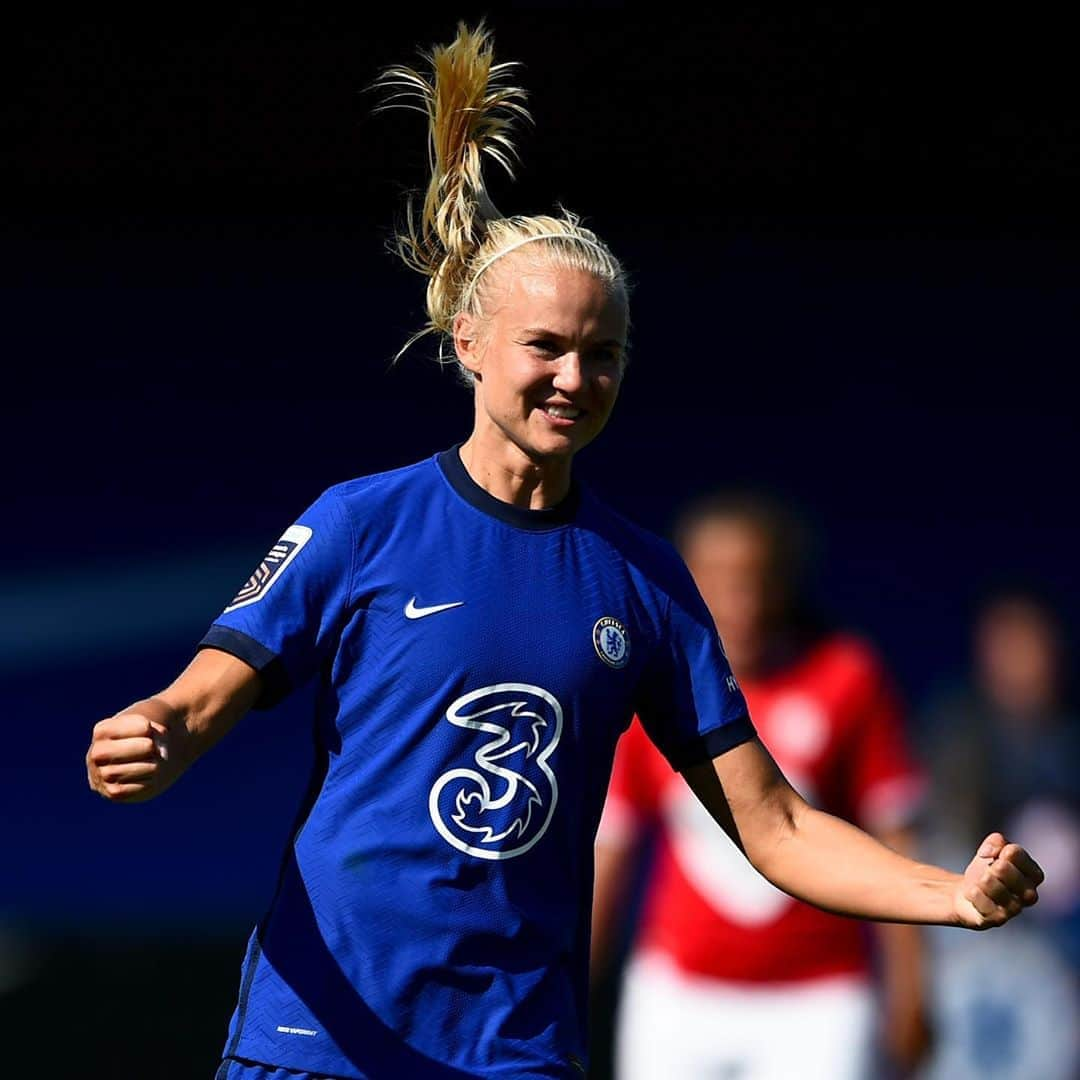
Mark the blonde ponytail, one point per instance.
(471, 111)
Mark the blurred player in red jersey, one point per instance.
(729, 976)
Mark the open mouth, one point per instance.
(565, 413)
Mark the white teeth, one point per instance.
(562, 412)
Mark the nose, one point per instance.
(569, 377)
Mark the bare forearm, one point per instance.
(205, 710)
(834, 865)
(142, 750)
(902, 946)
(827, 862)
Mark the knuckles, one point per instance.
(134, 748)
(116, 744)
(115, 773)
(111, 726)
(1003, 889)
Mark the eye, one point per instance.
(544, 346)
(609, 357)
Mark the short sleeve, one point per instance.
(887, 784)
(688, 701)
(287, 617)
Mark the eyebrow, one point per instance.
(539, 331)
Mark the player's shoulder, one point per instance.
(358, 513)
(367, 499)
(648, 554)
(375, 486)
(629, 539)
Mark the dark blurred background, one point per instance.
(853, 242)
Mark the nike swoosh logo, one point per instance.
(414, 612)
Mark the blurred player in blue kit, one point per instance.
(482, 629)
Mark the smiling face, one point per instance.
(547, 360)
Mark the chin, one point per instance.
(547, 453)
(550, 446)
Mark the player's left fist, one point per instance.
(998, 883)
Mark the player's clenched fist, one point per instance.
(133, 755)
(999, 883)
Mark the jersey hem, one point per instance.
(431, 1070)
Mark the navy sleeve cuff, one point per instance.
(274, 678)
(713, 743)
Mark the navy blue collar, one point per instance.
(537, 520)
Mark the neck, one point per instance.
(507, 473)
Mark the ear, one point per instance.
(467, 342)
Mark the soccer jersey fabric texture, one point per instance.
(476, 663)
(831, 721)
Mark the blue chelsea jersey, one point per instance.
(476, 663)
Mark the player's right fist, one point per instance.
(133, 755)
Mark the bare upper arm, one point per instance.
(213, 692)
(745, 792)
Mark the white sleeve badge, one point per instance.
(271, 568)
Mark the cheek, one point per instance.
(510, 387)
(609, 386)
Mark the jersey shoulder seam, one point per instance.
(354, 544)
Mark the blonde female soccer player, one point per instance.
(482, 628)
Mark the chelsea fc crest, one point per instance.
(611, 641)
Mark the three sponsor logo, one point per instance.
(500, 803)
